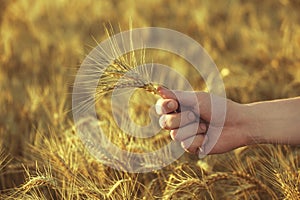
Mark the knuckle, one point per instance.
(190, 116)
(171, 120)
(177, 137)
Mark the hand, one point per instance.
(187, 128)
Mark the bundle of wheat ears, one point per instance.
(122, 72)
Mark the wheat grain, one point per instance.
(38, 181)
(213, 178)
(123, 72)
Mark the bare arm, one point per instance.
(275, 121)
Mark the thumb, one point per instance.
(198, 101)
(186, 98)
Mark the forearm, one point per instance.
(274, 121)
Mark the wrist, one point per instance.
(263, 123)
(274, 121)
(242, 118)
(250, 123)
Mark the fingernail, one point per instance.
(191, 116)
(160, 89)
(201, 152)
(171, 105)
(162, 121)
(158, 109)
(172, 135)
(202, 127)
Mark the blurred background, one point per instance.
(255, 45)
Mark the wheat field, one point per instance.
(255, 45)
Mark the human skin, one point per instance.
(276, 121)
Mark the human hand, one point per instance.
(191, 131)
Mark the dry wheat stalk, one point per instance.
(64, 169)
(122, 72)
(38, 181)
(210, 180)
(112, 70)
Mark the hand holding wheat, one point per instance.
(232, 134)
(245, 124)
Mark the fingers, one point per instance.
(165, 106)
(191, 136)
(188, 131)
(176, 120)
(186, 125)
(192, 144)
(213, 136)
(186, 98)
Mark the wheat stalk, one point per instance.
(119, 74)
(111, 69)
(122, 72)
(38, 181)
(64, 168)
(210, 180)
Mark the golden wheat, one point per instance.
(40, 42)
